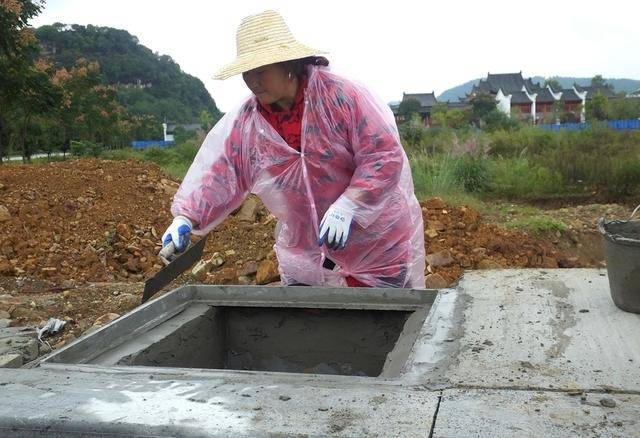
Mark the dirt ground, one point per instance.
(78, 239)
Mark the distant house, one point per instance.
(532, 102)
(634, 93)
(592, 90)
(427, 102)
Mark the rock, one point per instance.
(147, 243)
(127, 301)
(248, 211)
(267, 272)
(4, 314)
(123, 231)
(49, 271)
(435, 225)
(4, 214)
(243, 279)
(4, 322)
(608, 402)
(431, 233)
(6, 268)
(216, 260)
(440, 258)
(488, 264)
(435, 281)
(106, 318)
(10, 360)
(549, 262)
(2, 186)
(250, 268)
(435, 203)
(201, 269)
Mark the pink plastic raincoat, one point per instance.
(350, 148)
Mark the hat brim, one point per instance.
(257, 59)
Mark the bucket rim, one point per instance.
(616, 238)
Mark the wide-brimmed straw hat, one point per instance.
(264, 39)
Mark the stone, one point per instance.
(434, 203)
(249, 268)
(608, 402)
(6, 268)
(123, 231)
(4, 323)
(127, 301)
(106, 318)
(4, 314)
(431, 233)
(435, 281)
(201, 269)
(440, 258)
(267, 272)
(4, 214)
(248, 211)
(216, 260)
(244, 280)
(2, 186)
(435, 225)
(488, 264)
(10, 360)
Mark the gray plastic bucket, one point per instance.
(622, 254)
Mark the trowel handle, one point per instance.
(167, 252)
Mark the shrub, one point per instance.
(86, 148)
(472, 173)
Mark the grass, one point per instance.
(174, 161)
(537, 224)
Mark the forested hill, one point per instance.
(148, 83)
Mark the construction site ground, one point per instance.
(79, 238)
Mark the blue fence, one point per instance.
(619, 125)
(151, 144)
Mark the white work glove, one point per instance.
(336, 224)
(177, 237)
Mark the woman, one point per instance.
(324, 156)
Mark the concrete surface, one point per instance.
(506, 353)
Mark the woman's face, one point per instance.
(269, 83)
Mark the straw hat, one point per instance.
(264, 39)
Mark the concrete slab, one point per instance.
(554, 329)
(509, 413)
(64, 403)
(506, 353)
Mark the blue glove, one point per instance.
(336, 224)
(178, 233)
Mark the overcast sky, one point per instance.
(392, 46)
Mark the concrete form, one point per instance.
(506, 353)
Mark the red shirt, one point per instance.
(287, 123)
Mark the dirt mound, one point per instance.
(86, 220)
(459, 236)
(73, 234)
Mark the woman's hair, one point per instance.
(298, 67)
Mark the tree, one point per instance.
(16, 50)
(597, 107)
(481, 105)
(599, 81)
(553, 83)
(408, 107)
(206, 120)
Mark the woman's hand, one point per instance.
(336, 224)
(177, 236)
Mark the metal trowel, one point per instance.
(175, 265)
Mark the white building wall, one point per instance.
(504, 102)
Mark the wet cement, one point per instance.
(318, 341)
